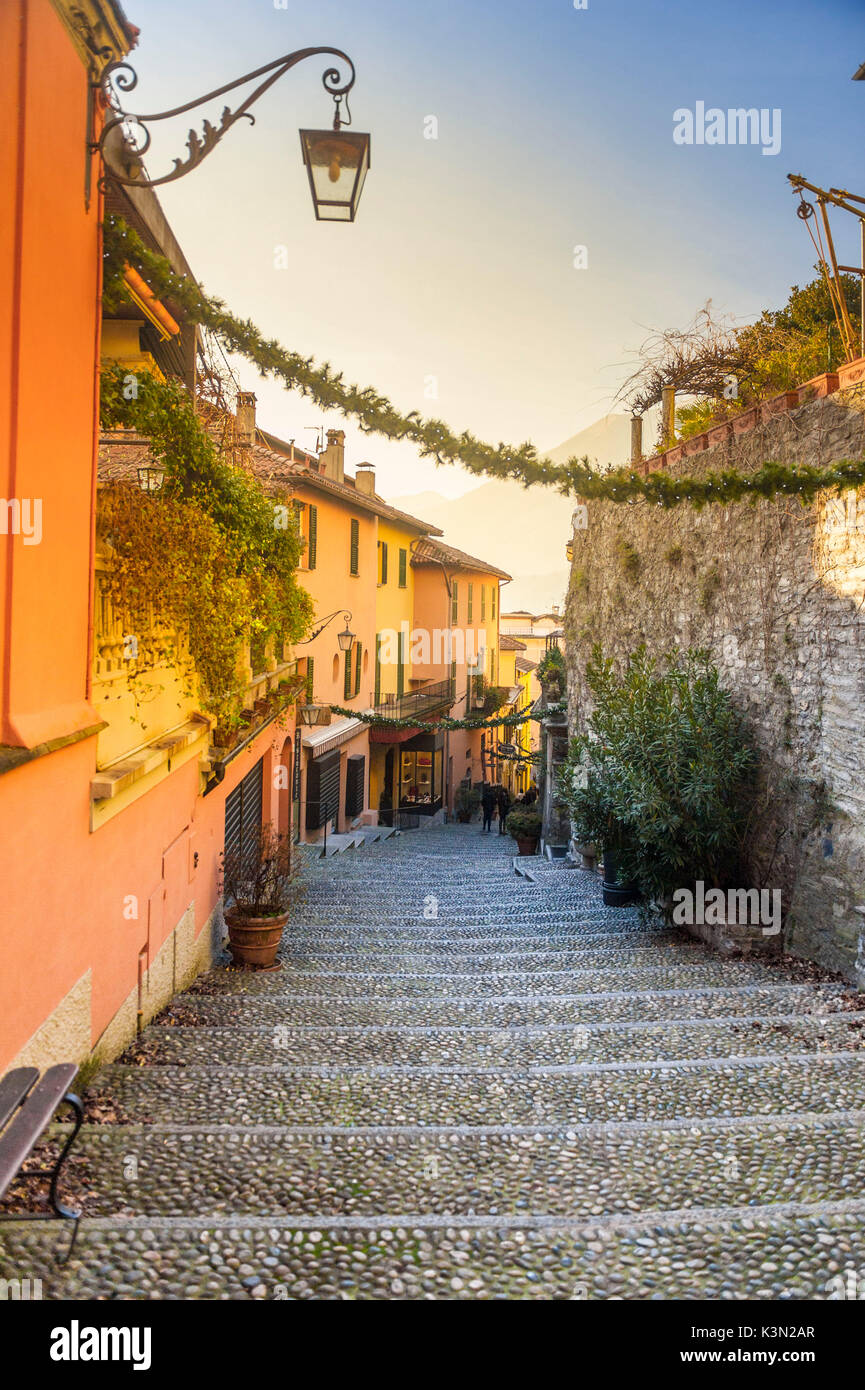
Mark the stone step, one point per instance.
(388, 984)
(339, 843)
(510, 1048)
(539, 955)
(783, 1252)
(821, 1083)
(421, 933)
(145, 1172)
(507, 1009)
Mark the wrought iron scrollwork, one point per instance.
(122, 156)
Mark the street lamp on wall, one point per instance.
(337, 160)
(344, 638)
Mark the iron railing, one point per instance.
(417, 704)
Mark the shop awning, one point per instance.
(328, 736)
(379, 733)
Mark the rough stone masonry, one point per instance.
(775, 591)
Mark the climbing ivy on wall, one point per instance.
(210, 555)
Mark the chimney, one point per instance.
(364, 478)
(244, 417)
(333, 457)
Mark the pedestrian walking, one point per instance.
(503, 801)
(488, 805)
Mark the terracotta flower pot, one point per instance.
(527, 844)
(254, 940)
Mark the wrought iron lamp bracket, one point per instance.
(323, 623)
(125, 79)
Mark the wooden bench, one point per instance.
(27, 1106)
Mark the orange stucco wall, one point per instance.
(49, 320)
(65, 889)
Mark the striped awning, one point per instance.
(328, 736)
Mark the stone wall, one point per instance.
(776, 592)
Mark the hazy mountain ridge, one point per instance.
(524, 530)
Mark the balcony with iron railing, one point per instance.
(417, 704)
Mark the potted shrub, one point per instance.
(257, 885)
(619, 890)
(466, 803)
(524, 826)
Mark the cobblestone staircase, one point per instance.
(465, 1084)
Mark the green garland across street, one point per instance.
(375, 414)
(383, 722)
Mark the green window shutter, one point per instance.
(455, 604)
(355, 547)
(378, 668)
(310, 678)
(403, 568)
(312, 539)
(471, 603)
(384, 562)
(298, 516)
(483, 603)
(400, 667)
(357, 667)
(346, 684)
(453, 681)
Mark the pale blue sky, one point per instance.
(555, 129)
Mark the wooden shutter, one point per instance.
(471, 602)
(455, 604)
(310, 679)
(483, 603)
(403, 568)
(322, 789)
(357, 666)
(312, 538)
(493, 596)
(354, 562)
(384, 562)
(243, 810)
(355, 777)
(346, 684)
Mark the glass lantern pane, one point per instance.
(337, 162)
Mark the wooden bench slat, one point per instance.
(33, 1117)
(13, 1089)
